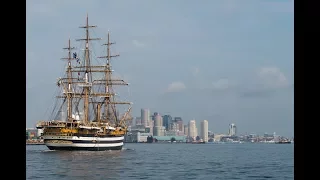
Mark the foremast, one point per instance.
(68, 89)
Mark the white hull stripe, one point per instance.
(84, 138)
(88, 142)
(83, 145)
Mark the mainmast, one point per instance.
(87, 70)
(68, 90)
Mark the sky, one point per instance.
(226, 61)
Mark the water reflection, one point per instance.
(86, 164)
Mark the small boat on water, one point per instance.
(198, 142)
(283, 141)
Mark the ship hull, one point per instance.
(286, 142)
(75, 148)
(76, 143)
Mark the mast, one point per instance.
(108, 74)
(87, 83)
(109, 103)
(87, 70)
(69, 82)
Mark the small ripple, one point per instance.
(211, 163)
(36, 177)
(220, 171)
(263, 177)
(242, 172)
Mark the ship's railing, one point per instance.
(51, 124)
(58, 141)
(58, 134)
(56, 125)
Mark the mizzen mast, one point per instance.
(110, 104)
(108, 80)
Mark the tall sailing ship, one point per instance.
(92, 121)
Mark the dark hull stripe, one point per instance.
(88, 141)
(84, 148)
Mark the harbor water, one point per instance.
(164, 161)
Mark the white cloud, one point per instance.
(176, 87)
(272, 77)
(195, 71)
(221, 84)
(137, 43)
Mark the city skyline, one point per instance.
(222, 61)
(226, 130)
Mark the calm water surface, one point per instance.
(164, 161)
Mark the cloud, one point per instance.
(176, 87)
(256, 93)
(137, 43)
(195, 71)
(269, 81)
(272, 77)
(221, 84)
(264, 82)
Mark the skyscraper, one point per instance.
(154, 115)
(232, 130)
(179, 121)
(192, 129)
(186, 130)
(158, 128)
(167, 120)
(138, 121)
(204, 130)
(145, 117)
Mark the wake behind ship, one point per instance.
(92, 121)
